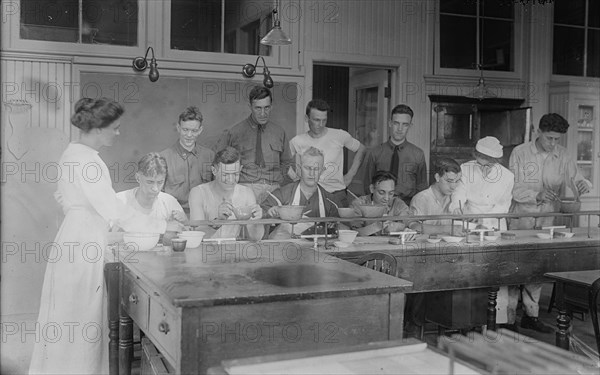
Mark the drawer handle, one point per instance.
(133, 299)
(163, 327)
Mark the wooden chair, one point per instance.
(593, 301)
(380, 262)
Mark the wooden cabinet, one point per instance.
(579, 103)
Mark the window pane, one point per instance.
(458, 7)
(497, 43)
(457, 42)
(55, 20)
(593, 53)
(196, 25)
(246, 22)
(570, 12)
(568, 51)
(594, 13)
(110, 22)
(495, 8)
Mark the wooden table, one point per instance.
(237, 300)
(491, 264)
(563, 280)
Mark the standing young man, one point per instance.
(332, 143)
(188, 163)
(400, 157)
(263, 145)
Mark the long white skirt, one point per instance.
(72, 325)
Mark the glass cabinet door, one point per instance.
(586, 138)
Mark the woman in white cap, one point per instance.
(486, 186)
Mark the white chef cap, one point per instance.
(489, 146)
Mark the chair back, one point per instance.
(380, 262)
(593, 301)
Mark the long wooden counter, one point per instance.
(245, 299)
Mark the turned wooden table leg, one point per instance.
(125, 337)
(111, 275)
(563, 320)
(491, 308)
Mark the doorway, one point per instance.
(359, 98)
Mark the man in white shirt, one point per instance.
(331, 142)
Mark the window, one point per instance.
(475, 32)
(576, 38)
(112, 22)
(230, 26)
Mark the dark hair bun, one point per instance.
(95, 113)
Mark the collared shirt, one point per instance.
(427, 203)
(332, 145)
(535, 171)
(275, 148)
(412, 169)
(186, 169)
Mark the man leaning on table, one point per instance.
(306, 192)
(543, 170)
(263, 146)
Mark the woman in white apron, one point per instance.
(72, 320)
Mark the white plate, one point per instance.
(543, 236)
(452, 239)
(434, 240)
(491, 238)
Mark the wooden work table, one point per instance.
(451, 266)
(242, 299)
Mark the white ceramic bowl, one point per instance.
(139, 241)
(434, 240)
(347, 212)
(452, 239)
(543, 236)
(194, 238)
(243, 212)
(372, 210)
(347, 236)
(290, 212)
(491, 238)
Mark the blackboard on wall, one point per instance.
(152, 109)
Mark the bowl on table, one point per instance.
(563, 234)
(372, 210)
(569, 205)
(290, 212)
(243, 212)
(178, 244)
(193, 237)
(543, 236)
(141, 241)
(347, 212)
(347, 236)
(452, 239)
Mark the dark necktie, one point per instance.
(260, 160)
(395, 162)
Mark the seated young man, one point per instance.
(148, 198)
(216, 199)
(305, 192)
(437, 199)
(382, 189)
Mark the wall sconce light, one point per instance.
(141, 63)
(276, 37)
(249, 71)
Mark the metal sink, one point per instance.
(301, 275)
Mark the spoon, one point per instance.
(575, 190)
(332, 202)
(351, 193)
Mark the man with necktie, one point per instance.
(263, 146)
(400, 157)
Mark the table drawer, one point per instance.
(165, 327)
(135, 300)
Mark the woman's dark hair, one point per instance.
(445, 165)
(381, 176)
(95, 113)
(553, 122)
(228, 155)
